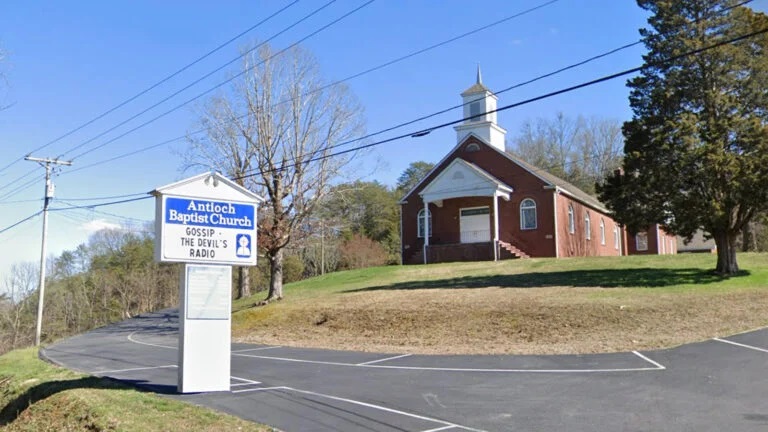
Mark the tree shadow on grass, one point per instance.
(603, 278)
(40, 392)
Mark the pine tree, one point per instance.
(696, 149)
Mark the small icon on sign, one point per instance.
(243, 246)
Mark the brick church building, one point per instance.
(482, 203)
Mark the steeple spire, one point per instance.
(480, 114)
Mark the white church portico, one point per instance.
(472, 221)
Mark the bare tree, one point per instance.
(17, 312)
(581, 151)
(276, 131)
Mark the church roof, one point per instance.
(555, 181)
(478, 86)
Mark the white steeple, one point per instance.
(478, 102)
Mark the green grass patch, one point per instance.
(571, 305)
(36, 396)
(670, 273)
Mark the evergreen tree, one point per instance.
(696, 149)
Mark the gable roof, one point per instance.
(445, 183)
(476, 88)
(556, 182)
(437, 165)
(209, 185)
(549, 179)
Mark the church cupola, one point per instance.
(478, 101)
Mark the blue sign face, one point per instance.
(214, 214)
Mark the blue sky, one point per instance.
(67, 62)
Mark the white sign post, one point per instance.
(209, 223)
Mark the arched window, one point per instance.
(527, 214)
(420, 231)
(616, 237)
(571, 221)
(602, 232)
(472, 147)
(587, 226)
(641, 241)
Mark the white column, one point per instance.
(426, 229)
(495, 226)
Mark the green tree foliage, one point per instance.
(696, 150)
(111, 277)
(412, 175)
(368, 209)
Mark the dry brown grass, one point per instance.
(505, 320)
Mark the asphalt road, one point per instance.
(717, 385)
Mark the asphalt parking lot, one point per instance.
(714, 385)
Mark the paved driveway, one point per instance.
(717, 385)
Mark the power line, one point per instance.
(206, 76)
(153, 86)
(21, 201)
(90, 206)
(20, 222)
(365, 72)
(524, 102)
(503, 108)
(17, 179)
(100, 198)
(90, 209)
(425, 117)
(517, 104)
(24, 186)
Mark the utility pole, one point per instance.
(49, 189)
(322, 248)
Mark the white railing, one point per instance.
(479, 236)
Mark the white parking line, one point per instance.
(373, 364)
(742, 345)
(658, 365)
(258, 389)
(440, 428)
(385, 409)
(256, 349)
(130, 338)
(133, 369)
(245, 381)
(383, 360)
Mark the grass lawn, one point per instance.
(577, 305)
(35, 396)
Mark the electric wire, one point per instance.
(90, 206)
(20, 222)
(22, 187)
(153, 86)
(516, 104)
(197, 81)
(187, 102)
(365, 72)
(503, 108)
(100, 198)
(416, 120)
(399, 59)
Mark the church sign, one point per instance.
(198, 230)
(199, 225)
(207, 222)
